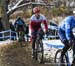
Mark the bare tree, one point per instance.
(5, 17)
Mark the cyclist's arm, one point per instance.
(46, 25)
(68, 29)
(45, 22)
(31, 24)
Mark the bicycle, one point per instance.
(67, 61)
(21, 38)
(39, 52)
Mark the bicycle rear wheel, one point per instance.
(58, 58)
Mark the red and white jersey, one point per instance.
(36, 23)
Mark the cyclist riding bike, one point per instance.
(66, 35)
(35, 25)
(20, 26)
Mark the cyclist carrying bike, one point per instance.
(66, 35)
(35, 25)
(20, 25)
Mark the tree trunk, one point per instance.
(5, 17)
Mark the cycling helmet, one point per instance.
(74, 11)
(36, 10)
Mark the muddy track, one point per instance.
(14, 55)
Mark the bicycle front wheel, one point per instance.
(73, 64)
(58, 58)
(40, 52)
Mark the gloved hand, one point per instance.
(47, 32)
(70, 42)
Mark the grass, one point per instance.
(14, 55)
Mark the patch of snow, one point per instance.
(51, 46)
(6, 42)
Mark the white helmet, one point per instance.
(74, 11)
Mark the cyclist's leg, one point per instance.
(64, 50)
(73, 47)
(73, 54)
(23, 36)
(18, 31)
(63, 39)
(73, 62)
(18, 35)
(23, 33)
(33, 42)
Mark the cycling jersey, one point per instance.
(35, 23)
(19, 25)
(66, 26)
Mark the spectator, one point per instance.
(1, 25)
(12, 26)
(1, 28)
(13, 34)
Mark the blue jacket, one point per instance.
(67, 25)
(19, 22)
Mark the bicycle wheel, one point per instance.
(40, 53)
(35, 53)
(73, 62)
(20, 38)
(58, 58)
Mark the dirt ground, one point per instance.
(15, 55)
